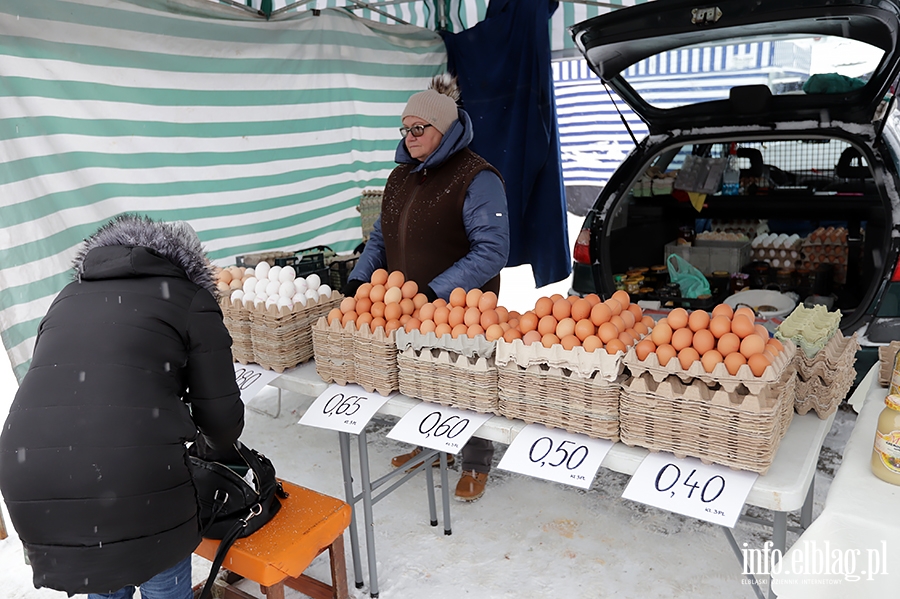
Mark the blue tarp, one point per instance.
(503, 68)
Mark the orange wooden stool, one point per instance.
(307, 524)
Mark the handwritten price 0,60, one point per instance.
(342, 406)
(566, 458)
(442, 428)
(708, 486)
(244, 377)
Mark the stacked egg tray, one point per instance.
(333, 350)
(282, 337)
(459, 373)
(574, 390)
(827, 246)
(781, 251)
(375, 360)
(823, 381)
(736, 429)
(369, 209)
(886, 357)
(237, 320)
(809, 328)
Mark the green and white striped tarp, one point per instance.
(261, 134)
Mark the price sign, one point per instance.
(251, 379)
(554, 454)
(438, 427)
(344, 408)
(687, 486)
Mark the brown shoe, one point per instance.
(403, 459)
(471, 485)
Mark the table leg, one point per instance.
(807, 509)
(344, 439)
(779, 540)
(445, 494)
(429, 488)
(367, 512)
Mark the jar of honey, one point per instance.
(886, 453)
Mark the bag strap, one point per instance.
(218, 506)
(224, 545)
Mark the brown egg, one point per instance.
(543, 306)
(626, 338)
(593, 298)
(458, 297)
(362, 319)
(623, 298)
(570, 342)
(377, 322)
(474, 330)
(734, 361)
(742, 326)
(348, 317)
(628, 318)
(363, 305)
(648, 320)
(637, 311)
(565, 327)
(644, 349)
(584, 328)
(442, 329)
(581, 309)
(615, 346)
(641, 328)
(619, 322)
(224, 275)
(723, 310)
(377, 309)
(762, 331)
(661, 334)
(407, 306)
(489, 318)
(391, 325)
(719, 325)
(688, 356)
(710, 360)
(528, 322)
(703, 341)
(600, 313)
(473, 297)
(335, 314)
(677, 318)
(607, 332)
(493, 332)
(440, 302)
(472, 316)
(561, 309)
(556, 297)
(549, 340)
(758, 364)
(411, 324)
(546, 325)
(379, 277)
(347, 304)
(427, 311)
(531, 337)
(682, 338)
(502, 313)
(614, 306)
(752, 345)
(441, 315)
(392, 312)
(376, 294)
(395, 279)
(775, 343)
(728, 344)
(459, 330)
(393, 295)
(746, 312)
(404, 319)
(664, 353)
(457, 316)
(488, 301)
(592, 343)
(427, 326)
(511, 335)
(363, 291)
(409, 289)
(698, 320)
(419, 300)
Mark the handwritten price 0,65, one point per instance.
(706, 494)
(342, 406)
(566, 458)
(441, 427)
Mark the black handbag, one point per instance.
(236, 498)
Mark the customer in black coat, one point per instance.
(131, 360)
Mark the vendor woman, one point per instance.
(443, 224)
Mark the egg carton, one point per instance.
(375, 360)
(477, 346)
(237, 320)
(828, 236)
(886, 356)
(743, 379)
(821, 396)
(559, 398)
(838, 355)
(449, 378)
(577, 360)
(809, 328)
(333, 351)
(741, 431)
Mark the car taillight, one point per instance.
(582, 250)
(896, 276)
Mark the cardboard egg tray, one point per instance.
(333, 351)
(576, 360)
(886, 356)
(832, 361)
(282, 337)
(449, 378)
(237, 320)
(824, 398)
(809, 328)
(735, 429)
(743, 381)
(375, 360)
(560, 398)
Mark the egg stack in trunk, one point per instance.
(712, 386)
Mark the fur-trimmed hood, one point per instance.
(177, 242)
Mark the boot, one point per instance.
(403, 459)
(471, 485)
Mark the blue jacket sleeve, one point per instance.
(487, 226)
(373, 256)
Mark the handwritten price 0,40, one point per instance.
(708, 487)
(442, 428)
(566, 458)
(342, 406)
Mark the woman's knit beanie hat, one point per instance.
(437, 104)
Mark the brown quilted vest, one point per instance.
(422, 217)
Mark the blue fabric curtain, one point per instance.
(503, 68)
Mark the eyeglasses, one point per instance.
(416, 130)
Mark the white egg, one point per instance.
(312, 294)
(271, 302)
(249, 296)
(286, 290)
(237, 294)
(299, 298)
(250, 284)
(300, 285)
(272, 288)
(249, 272)
(262, 270)
(260, 286)
(313, 281)
(258, 302)
(262, 296)
(287, 274)
(325, 290)
(285, 302)
(274, 273)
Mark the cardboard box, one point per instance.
(710, 256)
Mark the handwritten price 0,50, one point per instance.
(707, 487)
(566, 458)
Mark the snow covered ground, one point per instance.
(525, 539)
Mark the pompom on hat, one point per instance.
(437, 104)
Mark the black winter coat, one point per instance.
(93, 462)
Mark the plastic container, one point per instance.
(731, 177)
(886, 453)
